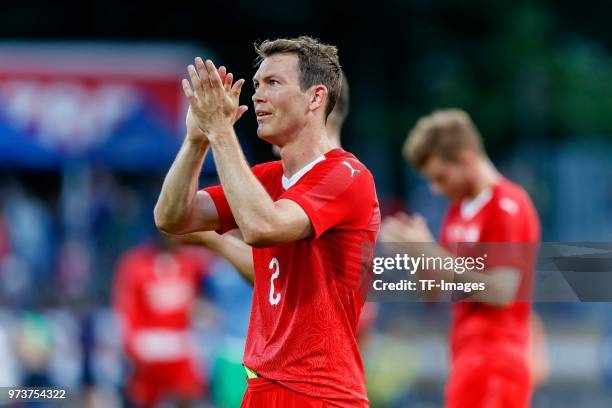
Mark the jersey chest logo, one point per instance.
(353, 171)
(463, 233)
(169, 295)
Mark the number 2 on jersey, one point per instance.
(274, 298)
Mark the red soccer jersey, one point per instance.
(308, 294)
(154, 294)
(482, 334)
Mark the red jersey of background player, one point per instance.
(487, 337)
(155, 292)
(308, 294)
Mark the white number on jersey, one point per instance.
(274, 298)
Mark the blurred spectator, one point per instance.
(34, 349)
(74, 268)
(29, 227)
(9, 366)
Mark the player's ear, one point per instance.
(318, 96)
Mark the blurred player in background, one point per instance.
(155, 295)
(489, 337)
(311, 218)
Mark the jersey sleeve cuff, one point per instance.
(224, 212)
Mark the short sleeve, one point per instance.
(224, 212)
(512, 219)
(339, 194)
(512, 233)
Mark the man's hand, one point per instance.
(213, 100)
(402, 228)
(193, 130)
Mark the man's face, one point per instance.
(448, 177)
(280, 105)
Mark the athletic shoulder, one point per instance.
(514, 213)
(267, 170)
(512, 198)
(345, 163)
(340, 155)
(267, 167)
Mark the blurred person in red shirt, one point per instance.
(155, 294)
(489, 336)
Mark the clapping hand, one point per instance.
(213, 99)
(403, 228)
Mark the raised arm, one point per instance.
(181, 208)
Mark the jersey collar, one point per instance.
(470, 207)
(289, 182)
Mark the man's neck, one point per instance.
(334, 139)
(304, 149)
(487, 177)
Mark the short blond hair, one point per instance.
(443, 133)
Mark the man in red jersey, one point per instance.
(240, 255)
(489, 336)
(231, 247)
(311, 218)
(155, 292)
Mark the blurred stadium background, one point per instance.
(91, 117)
